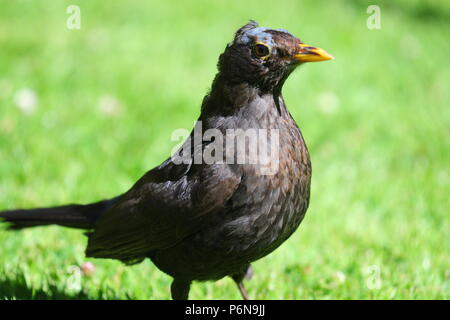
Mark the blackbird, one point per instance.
(204, 220)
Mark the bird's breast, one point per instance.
(272, 197)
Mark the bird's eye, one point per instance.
(261, 50)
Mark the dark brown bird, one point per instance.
(199, 220)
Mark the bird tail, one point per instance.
(72, 215)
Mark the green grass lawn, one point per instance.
(376, 120)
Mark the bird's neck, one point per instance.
(228, 97)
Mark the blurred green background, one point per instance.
(84, 113)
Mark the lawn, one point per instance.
(85, 112)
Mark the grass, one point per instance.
(376, 120)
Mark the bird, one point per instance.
(199, 220)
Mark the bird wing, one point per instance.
(166, 205)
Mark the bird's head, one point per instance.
(264, 57)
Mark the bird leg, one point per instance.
(180, 289)
(242, 290)
(249, 273)
(246, 273)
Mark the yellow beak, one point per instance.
(307, 53)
